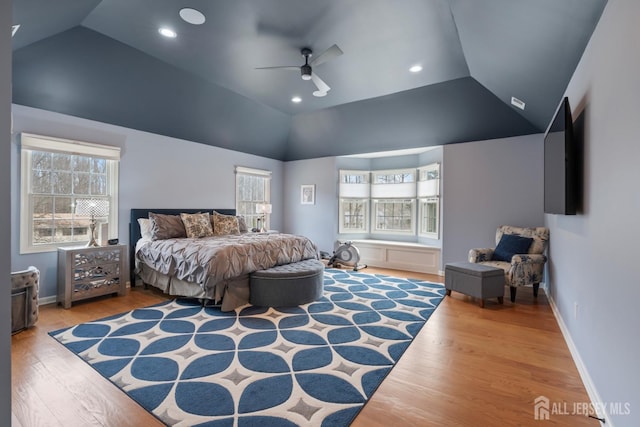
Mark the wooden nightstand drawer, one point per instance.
(87, 272)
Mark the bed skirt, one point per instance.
(231, 293)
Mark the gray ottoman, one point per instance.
(476, 280)
(287, 285)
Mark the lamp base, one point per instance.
(92, 244)
(92, 227)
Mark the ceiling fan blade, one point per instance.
(284, 67)
(321, 85)
(332, 52)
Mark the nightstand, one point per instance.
(87, 272)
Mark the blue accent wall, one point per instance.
(85, 77)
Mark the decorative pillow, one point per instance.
(225, 224)
(145, 228)
(197, 225)
(166, 226)
(242, 225)
(510, 245)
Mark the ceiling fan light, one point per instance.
(305, 70)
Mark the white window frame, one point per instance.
(250, 217)
(428, 192)
(342, 228)
(421, 226)
(415, 184)
(374, 216)
(31, 142)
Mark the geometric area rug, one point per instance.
(312, 365)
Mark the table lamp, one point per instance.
(263, 208)
(92, 208)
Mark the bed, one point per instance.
(213, 268)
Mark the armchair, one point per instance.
(24, 298)
(523, 268)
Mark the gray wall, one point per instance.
(487, 184)
(319, 222)
(5, 199)
(155, 172)
(594, 254)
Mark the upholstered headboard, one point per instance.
(134, 228)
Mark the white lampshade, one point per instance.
(263, 208)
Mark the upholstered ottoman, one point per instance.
(287, 285)
(476, 280)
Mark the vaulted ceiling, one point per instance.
(106, 61)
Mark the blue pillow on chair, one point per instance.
(510, 245)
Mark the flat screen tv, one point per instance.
(560, 164)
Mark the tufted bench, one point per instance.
(287, 285)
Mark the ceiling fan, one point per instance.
(306, 70)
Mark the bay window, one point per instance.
(399, 201)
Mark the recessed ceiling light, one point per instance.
(192, 16)
(296, 99)
(167, 32)
(14, 29)
(416, 68)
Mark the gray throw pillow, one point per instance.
(166, 226)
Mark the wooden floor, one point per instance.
(468, 366)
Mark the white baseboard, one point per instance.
(48, 300)
(582, 369)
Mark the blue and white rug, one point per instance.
(313, 365)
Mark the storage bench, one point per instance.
(287, 285)
(476, 280)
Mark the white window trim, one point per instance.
(375, 230)
(267, 174)
(341, 228)
(253, 171)
(421, 201)
(31, 142)
(414, 191)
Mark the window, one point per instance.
(253, 187)
(394, 216)
(353, 215)
(402, 201)
(354, 201)
(59, 179)
(429, 200)
(398, 177)
(429, 210)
